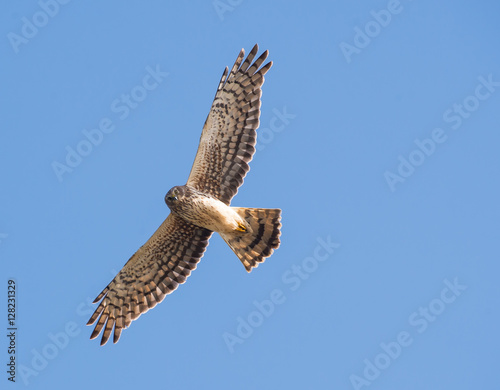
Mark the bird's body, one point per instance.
(200, 207)
(204, 210)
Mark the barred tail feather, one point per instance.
(253, 246)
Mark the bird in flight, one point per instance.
(200, 207)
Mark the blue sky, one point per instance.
(379, 140)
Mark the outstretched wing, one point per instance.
(155, 270)
(227, 142)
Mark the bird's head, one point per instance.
(174, 196)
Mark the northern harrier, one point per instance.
(200, 207)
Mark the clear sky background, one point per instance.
(379, 140)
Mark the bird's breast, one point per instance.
(212, 214)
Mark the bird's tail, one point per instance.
(258, 242)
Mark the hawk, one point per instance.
(200, 207)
